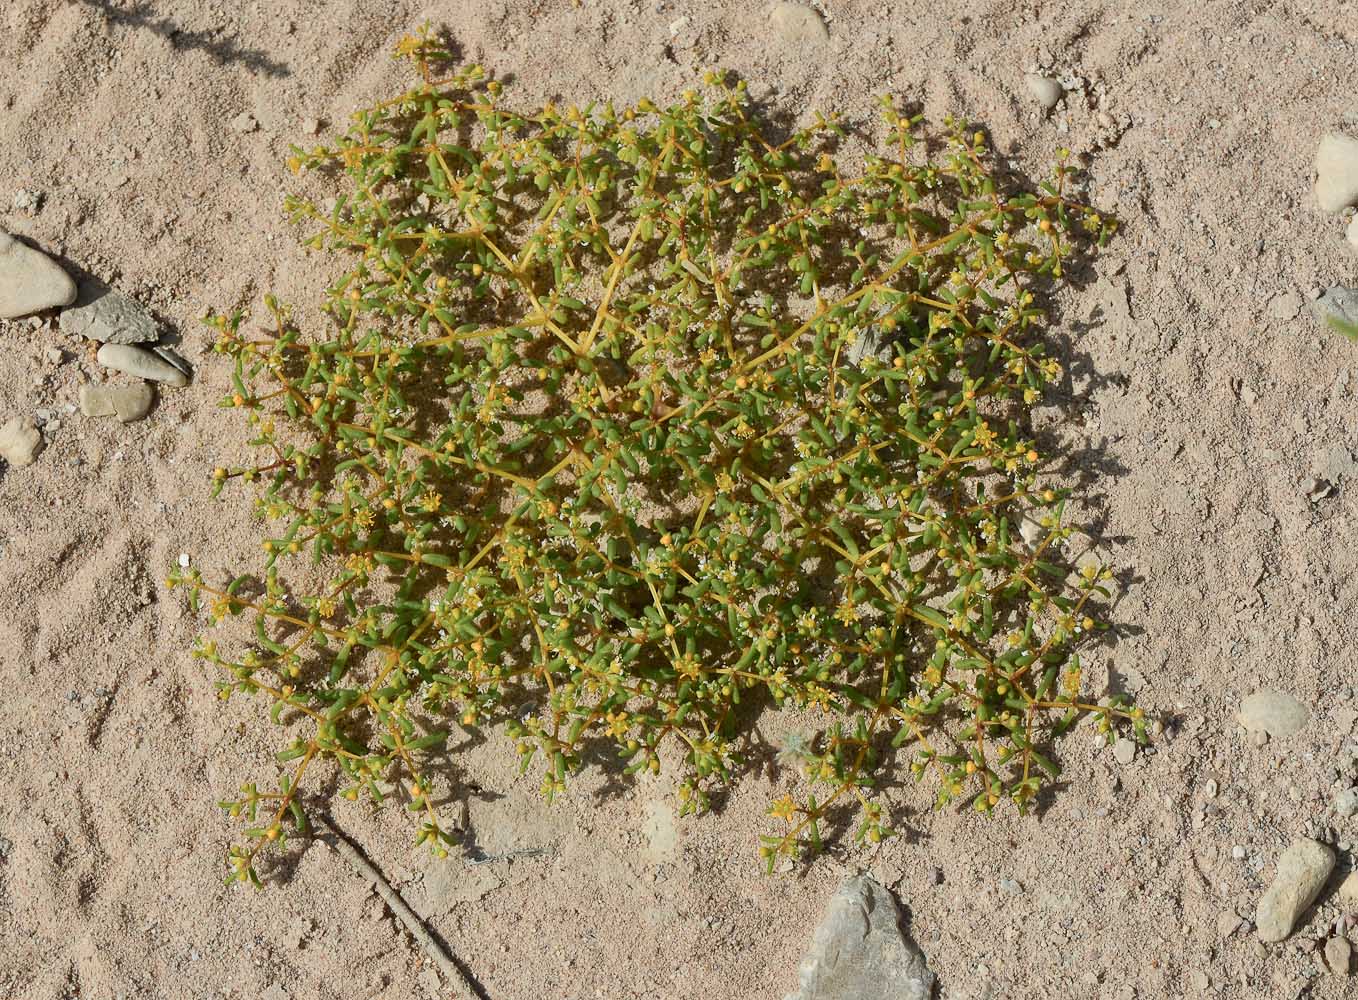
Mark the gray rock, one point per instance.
(108, 316)
(798, 23)
(30, 281)
(1346, 803)
(141, 363)
(126, 402)
(1338, 955)
(860, 952)
(20, 441)
(1337, 303)
(1336, 172)
(1274, 713)
(166, 354)
(1124, 751)
(1302, 871)
(1044, 89)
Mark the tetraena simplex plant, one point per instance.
(629, 423)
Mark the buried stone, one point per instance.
(861, 952)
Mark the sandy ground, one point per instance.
(1198, 405)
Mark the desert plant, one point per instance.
(625, 424)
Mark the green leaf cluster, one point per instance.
(625, 424)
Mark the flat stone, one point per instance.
(1339, 955)
(108, 316)
(1274, 713)
(860, 952)
(143, 364)
(126, 402)
(1045, 90)
(1302, 871)
(1336, 172)
(20, 441)
(798, 23)
(1339, 303)
(30, 281)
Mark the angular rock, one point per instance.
(1338, 302)
(1274, 713)
(1338, 955)
(798, 23)
(108, 316)
(142, 364)
(30, 281)
(20, 442)
(126, 402)
(860, 952)
(1302, 871)
(1044, 89)
(1336, 172)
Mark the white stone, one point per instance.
(1336, 172)
(1274, 713)
(30, 281)
(1351, 234)
(1302, 871)
(20, 441)
(1124, 751)
(797, 23)
(1046, 90)
(142, 364)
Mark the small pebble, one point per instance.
(1238, 852)
(20, 442)
(30, 281)
(1348, 889)
(184, 560)
(311, 126)
(798, 23)
(1044, 89)
(1274, 713)
(1302, 870)
(1351, 234)
(244, 122)
(1336, 172)
(1124, 751)
(1338, 955)
(142, 364)
(1010, 886)
(1346, 803)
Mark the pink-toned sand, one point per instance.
(1199, 408)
